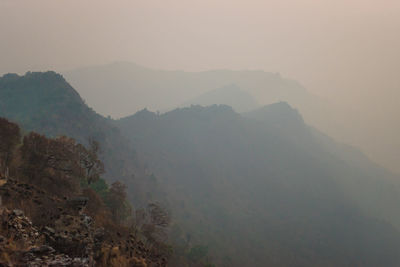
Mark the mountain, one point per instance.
(47, 104)
(44, 102)
(230, 95)
(260, 188)
(123, 88)
(265, 189)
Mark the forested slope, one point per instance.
(265, 189)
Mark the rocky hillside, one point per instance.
(67, 237)
(47, 104)
(55, 213)
(255, 189)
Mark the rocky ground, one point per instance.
(24, 245)
(62, 234)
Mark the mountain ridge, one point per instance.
(231, 95)
(244, 189)
(47, 104)
(176, 86)
(201, 151)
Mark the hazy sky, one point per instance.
(347, 50)
(345, 45)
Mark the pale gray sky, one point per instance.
(328, 45)
(345, 50)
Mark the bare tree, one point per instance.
(10, 137)
(90, 161)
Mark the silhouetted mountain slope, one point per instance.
(230, 95)
(375, 189)
(123, 88)
(258, 189)
(263, 189)
(47, 104)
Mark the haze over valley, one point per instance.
(204, 134)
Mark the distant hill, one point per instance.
(123, 88)
(230, 95)
(260, 188)
(44, 102)
(265, 189)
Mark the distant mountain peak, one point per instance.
(120, 89)
(47, 75)
(229, 87)
(39, 80)
(214, 109)
(143, 114)
(26, 97)
(281, 107)
(277, 113)
(230, 94)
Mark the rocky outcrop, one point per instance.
(63, 235)
(22, 244)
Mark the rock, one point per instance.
(42, 250)
(87, 220)
(18, 212)
(65, 237)
(76, 205)
(49, 230)
(2, 239)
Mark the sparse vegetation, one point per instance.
(51, 181)
(255, 189)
